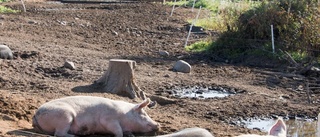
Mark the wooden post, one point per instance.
(119, 79)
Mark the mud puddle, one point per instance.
(295, 127)
(201, 92)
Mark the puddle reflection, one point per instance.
(295, 128)
(195, 92)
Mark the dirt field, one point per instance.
(89, 35)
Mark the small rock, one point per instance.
(114, 33)
(5, 52)
(63, 23)
(182, 66)
(32, 22)
(285, 97)
(164, 53)
(315, 69)
(300, 88)
(69, 65)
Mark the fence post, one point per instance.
(24, 6)
(173, 7)
(194, 2)
(194, 21)
(272, 39)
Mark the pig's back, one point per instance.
(89, 104)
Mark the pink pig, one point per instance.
(279, 129)
(84, 115)
(190, 132)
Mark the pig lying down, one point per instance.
(190, 132)
(84, 115)
(279, 129)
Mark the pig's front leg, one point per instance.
(113, 126)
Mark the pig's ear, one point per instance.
(279, 128)
(142, 104)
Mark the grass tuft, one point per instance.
(4, 9)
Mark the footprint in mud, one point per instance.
(59, 72)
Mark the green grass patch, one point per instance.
(223, 13)
(299, 56)
(4, 1)
(211, 5)
(178, 3)
(199, 46)
(4, 9)
(211, 23)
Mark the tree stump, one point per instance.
(119, 79)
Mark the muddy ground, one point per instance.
(90, 34)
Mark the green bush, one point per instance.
(295, 24)
(211, 5)
(198, 3)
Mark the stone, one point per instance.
(164, 53)
(5, 52)
(69, 65)
(32, 22)
(114, 32)
(182, 66)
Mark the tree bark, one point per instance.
(119, 79)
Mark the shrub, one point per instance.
(199, 46)
(211, 5)
(295, 23)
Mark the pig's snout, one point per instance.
(155, 127)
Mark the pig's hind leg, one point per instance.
(63, 124)
(63, 129)
(63, 132)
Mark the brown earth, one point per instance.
(89, 35)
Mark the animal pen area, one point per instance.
(132, 51)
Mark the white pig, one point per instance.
(83, 115)
(190, 132)
(279, 129)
